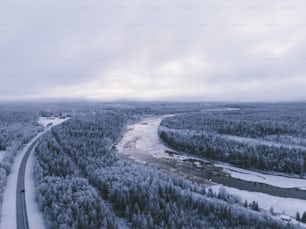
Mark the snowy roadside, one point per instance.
(8, 214)
(34, 215)
(143, 137)
(9, 196)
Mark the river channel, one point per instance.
(142, 144)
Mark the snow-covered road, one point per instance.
(9, 200)
(2, 153)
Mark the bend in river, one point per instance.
(142, 144)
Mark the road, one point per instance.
(15, 213)
(22, 221)
(21, 209)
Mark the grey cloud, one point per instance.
(54, 44)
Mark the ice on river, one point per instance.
(274, 180)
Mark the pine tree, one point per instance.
(245, 204)
(304, 217)
(298, 217)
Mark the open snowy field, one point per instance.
(2, 153)
(285, 206)
(45, 121)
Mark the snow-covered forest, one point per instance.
(82, 183)
(265, 137)
(16, 129)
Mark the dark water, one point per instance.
(260, 187)
(205, 177)
(195, 169)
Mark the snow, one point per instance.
(9, 198)
(281, 181)
(142, 138)
(222, 109)
(285, 206)
(8, 214)
(2, 153)
(244, 174)
(45, 121)
(253, 141)
(34, 215)
(274, 180)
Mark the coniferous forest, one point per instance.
(75, 165)
(82, 181)
(270, 139)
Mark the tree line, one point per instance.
(208, 134)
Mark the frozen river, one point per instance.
(142, 144)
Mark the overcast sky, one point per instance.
(225, 50)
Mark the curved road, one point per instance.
(21, 209)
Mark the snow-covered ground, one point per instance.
(253, 141)
(45, 121)
(8, 219)
(2, 153)
(222, 109)
(143, 138)
(8, 214)
(248, 175)
(34, 215)
(286, 206)
(274, 180)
